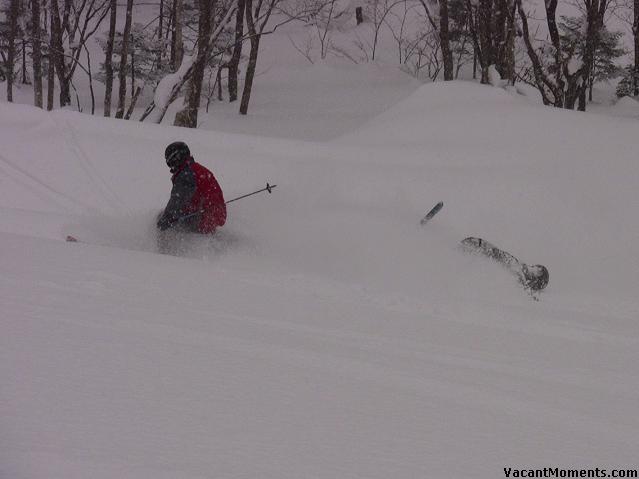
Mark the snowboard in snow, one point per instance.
(533, 278)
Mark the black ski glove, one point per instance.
(164, 223)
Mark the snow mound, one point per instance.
(324, 333)
(626, 105)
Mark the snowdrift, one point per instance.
(327, 334)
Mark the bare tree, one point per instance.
(444, 40)
(448, 39)
(160, 33)
(635, 34)
(551, 90)
(124, 53)
(564, 82)
(71, 27)
(57, 54)
(36, 49)
(188, 115)
(22, 19)
(108, 59)
(234, 62)
(423, 54)
(397, 24)
(378, 10)
(487, 42)
(177, 43)
(323, 25)
(169, 88)
(492, 28)
(51, 63)
(90, 75)
(595, 14)
(257, 16)
(324, 16)
(14, 8)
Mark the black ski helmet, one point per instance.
(537, 277)
(176, 154)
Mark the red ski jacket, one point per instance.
(195, 190)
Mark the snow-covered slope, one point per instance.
(324, 334)
(553, 185)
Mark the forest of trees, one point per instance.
(194, 51)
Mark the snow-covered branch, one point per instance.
(171, 85)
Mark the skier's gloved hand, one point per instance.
(164, 223)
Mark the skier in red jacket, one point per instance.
(197, 203)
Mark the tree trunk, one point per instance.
(472, 14)
(160, 35)
(551, 21)
(50, 67)
(11, 54)
(57, 55)
(486, 58)
(134, 100)
(474, 64)
(234, 62)
(255, 38)
(132, 74)
(108, 60)
(250, 72)
(36, 49)
(172, 84)
(188, 115)
(595, 12)
(218, 83)
(635, 32)
(444, 40)
(168, 31)
(492, 27)
(359, 15)
(124, 54)
(582, 100)
(557, 88)
(78, 22)
(499, 33)
(25, 79)
(507, 50)
(177, 44)
(65, 93)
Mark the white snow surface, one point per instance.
(324, 333)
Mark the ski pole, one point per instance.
(268, 188)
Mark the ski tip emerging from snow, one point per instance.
(432, 213)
